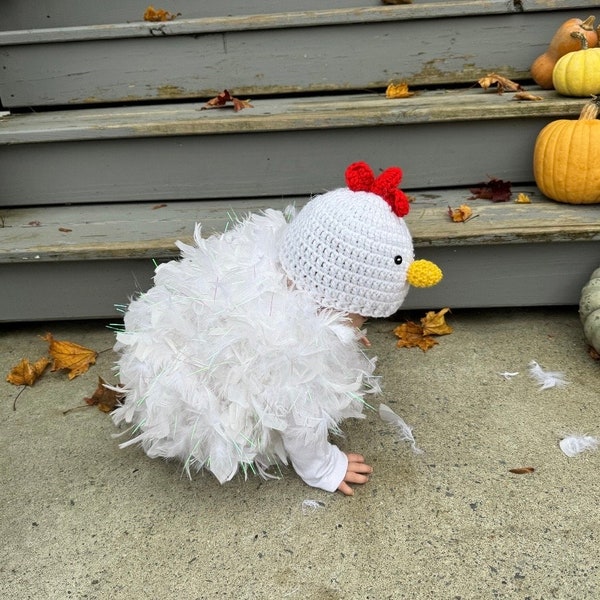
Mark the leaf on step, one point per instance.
(523, 199)
(398, 90)
(67, 355)
(461, 214)
(495, 190)
(527, 96)
(65, 229)
(415, 335)
(503, 84)
(156, 15)
(223, 98)
(105, 398)
(26, 373)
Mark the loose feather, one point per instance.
(404, 431)
(546, 379)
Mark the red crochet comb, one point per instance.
(360, 178)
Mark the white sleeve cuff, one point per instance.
(319, 463)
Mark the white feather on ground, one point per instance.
(404, 431)
(575, 444)
(546, 379)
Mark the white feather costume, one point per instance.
(242, 355)
(225, 364)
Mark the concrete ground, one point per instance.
(82, 519)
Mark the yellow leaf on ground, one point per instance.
(398, 90)
(410, 335)
(414, 335)
(26, 373)
(67, 355)
(434, 323)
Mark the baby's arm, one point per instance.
(323, 465)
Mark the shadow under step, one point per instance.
(76, 262)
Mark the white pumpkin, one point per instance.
(589, 310)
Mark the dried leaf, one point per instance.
(434, 323)
(157, 15)
(410, 335)
(527, 96)
(34, 224)
(67, 355)
(398, 90)
(65, 229)
(523, 199)
(157, 206)
(522, 470)
(461, 214)
(503, 84)
(223, 98)
(495, 190)
(26, 373)
(105, 398)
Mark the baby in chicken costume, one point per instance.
(247, 351)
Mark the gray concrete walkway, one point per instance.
(82, 519)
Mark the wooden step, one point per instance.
(80, 261)
(281, 147)
(307, 51)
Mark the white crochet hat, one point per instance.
(350, 248)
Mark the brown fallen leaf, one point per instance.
(495, 190)
(522, 470)
(434, 323)
(223, 98)
(410, 335)
(415, 335)
(65, 229)
(156, 15)
(398, 90)
(461, 214)
(527, 96)
(157, 206)
(26, 373)
(503, 84)
(106, 399)
(67, 355)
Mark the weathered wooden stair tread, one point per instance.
(434, 43)
(282, 114)
(186, 24)
(145, 230)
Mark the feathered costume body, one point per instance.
(227, 365)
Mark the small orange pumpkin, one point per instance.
(565, 160)
(561, 44)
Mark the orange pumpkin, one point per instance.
(561, 44)
(565, 159)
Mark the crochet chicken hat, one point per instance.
(350, 248)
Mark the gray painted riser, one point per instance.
(294, 59)
(480, 276)
(263, 164)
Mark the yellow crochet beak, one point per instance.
(423, 274)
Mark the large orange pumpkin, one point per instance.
(565, 159)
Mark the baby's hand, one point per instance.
(358, 472)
